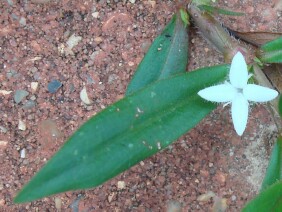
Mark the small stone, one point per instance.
(22, 21)
(94, 54)
(206, 197)
(20, 95)
(22, 153)
(3, 129)
(4, 92)
(10, 2)
(34, 69)
(220, 177)
(58, 203)
(11, 73)
(21, 125)
(84, 96)
(34, 86)
(153, 3)
(111, 196)
(210, 165)
(233, 198)
(95, 14)
(112, 78)
(98, 39)
(174, 206)
(131, 63)
(220, 204)
(25, 162)
(33, 98)
(28, 105)
(121, 185)
(73, 41)
(54, 86)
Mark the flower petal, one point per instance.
(219, 93)
(258, 93)
(239, 110)
(238, 75)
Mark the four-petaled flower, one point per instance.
(238, 93)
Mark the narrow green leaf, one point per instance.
(212, 9)
(125, 133)
(268, 200)
(274, 45)
(167, 56)
(274, 170)
(271, 57)
(271, 52)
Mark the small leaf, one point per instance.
(274, 170)
(184, 16)
(213, 10)
(269, 200)
(167, 56)
(125, 133)
(271, 52)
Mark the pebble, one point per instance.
(111, 196)
(33, 98)
(121, 185)
(10, 2)
(21, 125)
(58, 204)
(20, 95)
(112, 78)
(3, 129)
(84, 96)
(95, 14)
(11, 73)
(174, 206)
(205, 197)
(220, 177)
(73, 41)
(22, 21)
(28, 105)
(98, 39)
(233, 198)
(22, 153)
(4, 92)
(34, 86)
(54, 86)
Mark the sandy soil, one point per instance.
(97, 45)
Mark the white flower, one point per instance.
(238, 93)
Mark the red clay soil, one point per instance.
(97, 45)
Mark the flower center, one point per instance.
(240, 90)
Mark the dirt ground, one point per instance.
(54, 52)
